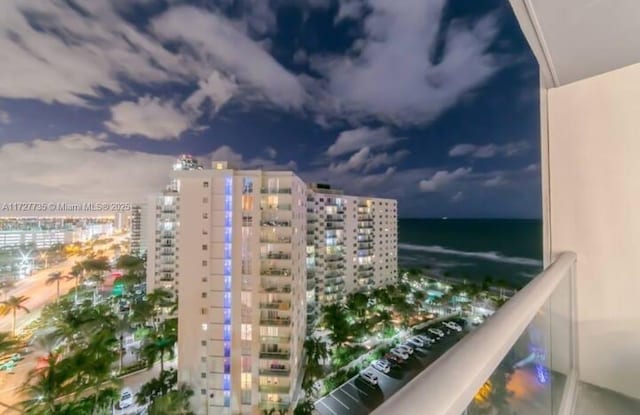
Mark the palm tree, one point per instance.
(175, 402)
(46, 384)
(305, 407)
(13, 305)
(157, 347)
(56, 277)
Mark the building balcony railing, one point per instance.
(274, 388)
(275, 272)
(277, 405)
(275, 370)
(530, 341)
(267, 191)
(276, 255)
(278, 240)
(275, 223)
(275, 339)
(279, 354)
(335, 218)
(276, 289)
(277, 305)
(283, 321)
(275, 206)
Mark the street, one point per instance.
(40, 294)
(357, 397)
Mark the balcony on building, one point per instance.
(276, 353)
(569, 341)
(275, 191)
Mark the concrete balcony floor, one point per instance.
(593, 400)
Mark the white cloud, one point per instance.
(217, 88)
(489, 150)
(214, 40)
(79, 167)
(4, 118)
(495, 181)
(149, 117)
(237, 160)
(300, 57)
(457, 197)
(391, 75)
(532, 167)
(352, 140)
(350, 9)
(442, 178)
(53, 53)
(366, 161)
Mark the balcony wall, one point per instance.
(593, 191)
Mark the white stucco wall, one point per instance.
(594, 209)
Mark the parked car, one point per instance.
(369, 377)
(381, 365)
(425, 339)
(408, 349)
(416, 341)
(453, 326)
(392, 359)
(436, 332)
(399, 353)
(126, 398)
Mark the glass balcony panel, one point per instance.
(531, 378)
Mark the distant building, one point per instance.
(45, 232)
(136, 229)
(161, 231)
(352, 243)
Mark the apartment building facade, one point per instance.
(161, 231)
(240, 259)
(352, 244)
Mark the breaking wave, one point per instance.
(488, 256)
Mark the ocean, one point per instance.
(509, 249)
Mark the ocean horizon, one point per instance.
(509, 249)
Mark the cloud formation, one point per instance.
(356, 139)
(79, 167)
(489, 150)
(442, 178)
(149, 117)
(391, 74)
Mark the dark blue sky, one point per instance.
(432, 102)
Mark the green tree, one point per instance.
(175, 402)
(12, 306)
(46, 384)
(56, 278)
(157, 346)
(305, 407)
(157, 387)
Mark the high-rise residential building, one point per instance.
(352, 244)
(241, 265)
(136, 230)
(161, 231)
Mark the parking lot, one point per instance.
(356, 396)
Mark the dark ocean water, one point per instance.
(509, 249)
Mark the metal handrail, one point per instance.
(450, 383)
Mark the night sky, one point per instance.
(432, 102)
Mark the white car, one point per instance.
(425, 339)
(452, 325)
(381, 365)
(416, 341)
(126, 398)
(408, 349)
(369, 376)
(436, 332)
(399, 353)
